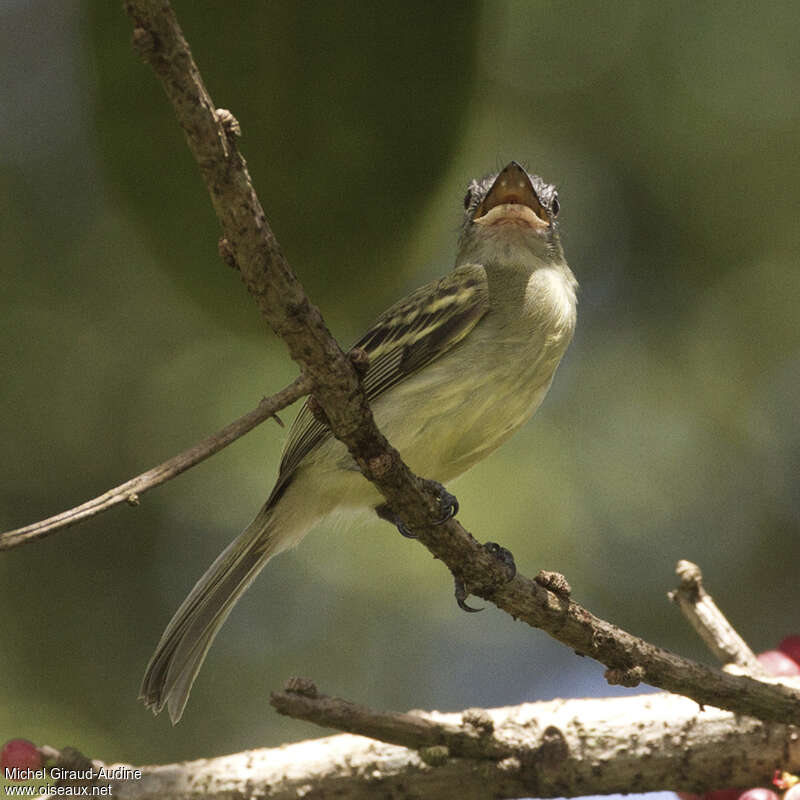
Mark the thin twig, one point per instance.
(130, 491)
(472, 737)
(557, 737)
(710, 623)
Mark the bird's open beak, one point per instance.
(512, 201)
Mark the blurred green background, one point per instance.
(671, 430)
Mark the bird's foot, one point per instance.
(384, 511)
(505, 558)
(448, 505)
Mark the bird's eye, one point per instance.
(554, 206)
(467, 198)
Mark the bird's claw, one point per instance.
(404, 529)
(448, 505)
(461, 597)
(385, 512)
(502, 555)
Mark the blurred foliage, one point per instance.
(342, 163)
(670, 432)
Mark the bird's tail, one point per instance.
(186, 640)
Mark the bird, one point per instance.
(454, 369)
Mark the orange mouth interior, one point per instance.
(511, 200)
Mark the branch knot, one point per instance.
(302, 686)
(226, 253)
(630, 677)
(553, 749)
(434, 756)
(379, 466)
(554, 582)
(359, 358)
(479, 720)
(229, 124)
(143, 42)
(318, 412)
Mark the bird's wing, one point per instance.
(408, 336)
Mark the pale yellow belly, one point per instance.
(446, 418)
(449, 425)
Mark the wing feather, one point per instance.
(404, 339)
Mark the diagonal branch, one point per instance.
(130, 491)
(250, 244)
(212, 137)
(559, 748)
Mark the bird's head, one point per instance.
(509, 215)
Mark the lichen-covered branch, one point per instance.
(562, 748)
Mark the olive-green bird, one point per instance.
(454, 370)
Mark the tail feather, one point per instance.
(186, 640)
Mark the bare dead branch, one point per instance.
(634, 660)
(471, 738)
(710, 623)
(130, 491)
(250, 244)
(561, 748)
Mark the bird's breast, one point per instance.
(550, 303)
(464, 405)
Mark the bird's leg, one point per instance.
(448, 505)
